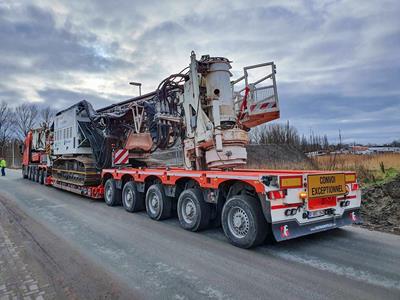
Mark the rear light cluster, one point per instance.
(274, 195)
(355, 187)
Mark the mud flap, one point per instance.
(291, 229)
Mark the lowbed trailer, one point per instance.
(249, 204)
(202, 118)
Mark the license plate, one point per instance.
(320, 203)
(314, 214)
(325, 185)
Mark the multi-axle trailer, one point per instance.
(204, 118)
(249, 204)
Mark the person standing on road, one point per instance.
(3, 165)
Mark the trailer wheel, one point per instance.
(158, 205)
(193, 212)
(37, 175)
(44, 176)
(131, 198)
(243, 221)
(112, 196)
(41, 176)
(33, 173)
(24, 172)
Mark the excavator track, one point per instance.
(80, 170)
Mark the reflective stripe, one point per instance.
(234, 177)
(121, 157)
(184, 174)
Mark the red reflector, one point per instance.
(354, 187)
(320, 203)
(276, 195)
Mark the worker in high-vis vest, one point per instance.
(3, 166)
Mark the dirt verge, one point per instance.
(380, 207)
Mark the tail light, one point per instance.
(274, 195)
(355, 187)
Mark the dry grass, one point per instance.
(370, 168)
(373, 168)
(282, 165)
(371, 162)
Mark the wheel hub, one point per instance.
(189, 211)
(109, 193)
(238, 222)
(129, 197)
(154, 204)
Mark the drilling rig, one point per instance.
(196, 112)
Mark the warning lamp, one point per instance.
(355, 187)
(303, 195)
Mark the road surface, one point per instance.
(54, 244)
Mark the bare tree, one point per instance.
(26, 116)
(6, 124)
(275, 134)
(46, 116)
(287, 134)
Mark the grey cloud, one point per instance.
(338, 63)
(52, 48)
(60, 98)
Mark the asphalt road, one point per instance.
(130, 256)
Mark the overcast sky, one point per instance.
(338, 62)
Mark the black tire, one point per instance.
(44, 176)
(132, 200)
(215, 221)
(193, 212)
(41, 176)
(158, 205)
(24, 172)
(37, 175)
(33, 170)
(29, 173)
(243, 221)
(112, 196)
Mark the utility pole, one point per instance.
(139, 85)
(340, 139)
(13, 153)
